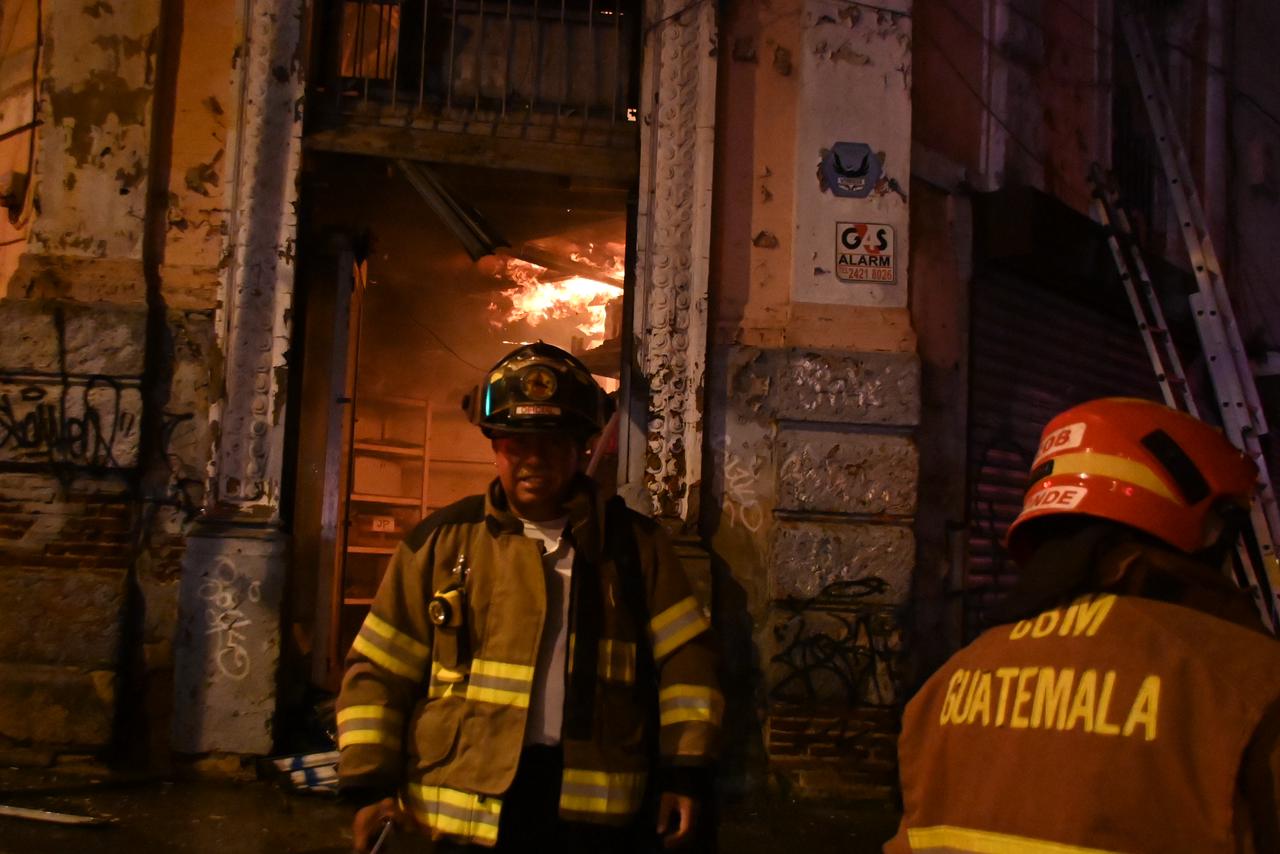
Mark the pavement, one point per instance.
(151, 816)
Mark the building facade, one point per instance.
(836, 218)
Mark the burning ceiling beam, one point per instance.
(534, 254)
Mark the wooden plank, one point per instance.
(390, 450)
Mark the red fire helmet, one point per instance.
(1135, 462)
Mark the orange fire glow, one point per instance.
(539, 297)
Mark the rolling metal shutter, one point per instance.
(1034, 352)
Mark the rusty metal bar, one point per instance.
(560, 102)
(377, 50)
(357, 64)
(422, 60)
(453, 31)
(536, 86)
(509, 46)
(588, 88)
(617, 64)
(395, 55)
(479, 71)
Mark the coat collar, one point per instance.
(584, 508)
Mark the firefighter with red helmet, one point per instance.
(534, 667)
(1131, 700)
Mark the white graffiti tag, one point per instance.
(226, 591)
(740, 499)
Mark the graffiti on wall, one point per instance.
(60, 421)
(225, 593)
(839, 646)
(741, 503)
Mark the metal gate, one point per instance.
(1034, 352)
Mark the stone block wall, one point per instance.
(816, 481)
(70, 440)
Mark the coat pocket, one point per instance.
(435, 729)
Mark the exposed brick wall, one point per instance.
(68, 532)
(848, 752)
(64, 558)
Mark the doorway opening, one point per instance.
(423, 278)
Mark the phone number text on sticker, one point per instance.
(865, 253)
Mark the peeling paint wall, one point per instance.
(1254, 194)
(98, 82)
(855, 76)
(1016, 95)
(204, 114)
(107, 360)
(813, 396)
(19, 84)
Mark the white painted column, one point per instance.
(855, 74)
(662, 466)
(227, 647)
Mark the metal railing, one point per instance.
(554, 65)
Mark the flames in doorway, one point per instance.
(585, 290)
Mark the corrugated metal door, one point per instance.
(1034, 353)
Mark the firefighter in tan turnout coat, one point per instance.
(534, 661)
(1132, 701)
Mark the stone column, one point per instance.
(814, 388)
(229, 626)
(662, 466)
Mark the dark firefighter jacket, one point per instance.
(1114, 723)
(438, 714)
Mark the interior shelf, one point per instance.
(399, 500)
(392, 449)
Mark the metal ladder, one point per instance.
(1237, 395)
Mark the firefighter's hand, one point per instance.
(677, 816)
(369, 820)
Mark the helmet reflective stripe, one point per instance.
(1107, 465)
(1137, 463)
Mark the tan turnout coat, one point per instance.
(439, 714)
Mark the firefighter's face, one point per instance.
(535, 470)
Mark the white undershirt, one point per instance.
(546, 701)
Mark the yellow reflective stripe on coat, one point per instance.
(500, 683)
(1117, 468)
(391, 649)
(370, 725)
(947, 838)
(677, 625)
(471, 816)
(601, 792)
(615, 662)
(680, 703)
(445, 682)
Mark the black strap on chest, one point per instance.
(620, 540)
(584, 619)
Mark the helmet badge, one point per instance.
(538, 383)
